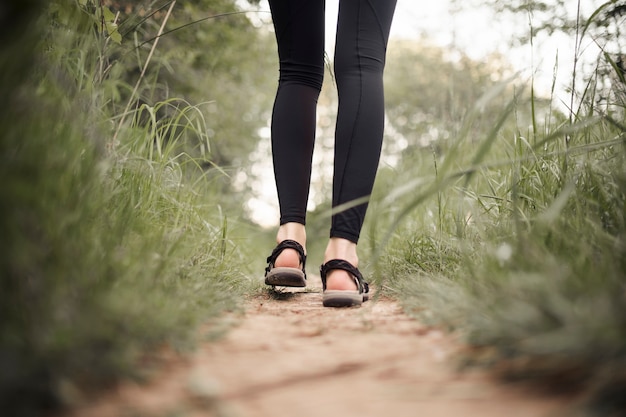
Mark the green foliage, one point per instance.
(604, 20)
(427, 91)
(208, 53)
(517, 239)
(103, 18)
(111, 249)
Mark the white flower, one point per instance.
(504, 253)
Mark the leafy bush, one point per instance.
(110, 250)
(518, 241)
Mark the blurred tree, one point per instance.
(209, 53)
(605, 19)
(596, 22)
(604, 23)
(430, 92)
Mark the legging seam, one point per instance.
(358, 111)
(380, 26)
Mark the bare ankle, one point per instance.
(339, 248)
(345, 250)
(290, 257)
(292, 231)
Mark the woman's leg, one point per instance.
(299, 27)
(362, 34)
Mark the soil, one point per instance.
(289, 356)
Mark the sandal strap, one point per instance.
(348, 267)
(286, 244)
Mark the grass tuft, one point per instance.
(519, 243)
(109, 254)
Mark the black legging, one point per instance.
(362, 34)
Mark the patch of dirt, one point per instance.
(289, 356)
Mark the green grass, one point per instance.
(518, 240)
(111, 250)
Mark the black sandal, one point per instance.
(344, 298)
(284, 276)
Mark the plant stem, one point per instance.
(143, 72)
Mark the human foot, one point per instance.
(290, 258)
(343, 297)
(286, 276)
(339, 279)
(342, 282)
(286, 264)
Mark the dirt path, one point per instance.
(292, 357)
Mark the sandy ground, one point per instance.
(289, 356)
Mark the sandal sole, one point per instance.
(339, 298)
(286, 277)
